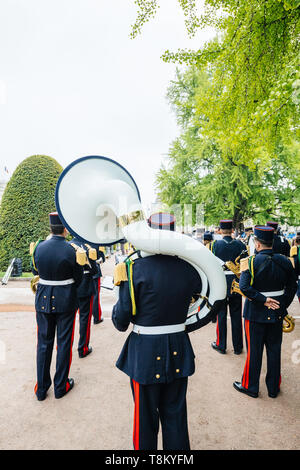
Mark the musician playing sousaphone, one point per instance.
(268, 281)
(156, 284)
(157, 355)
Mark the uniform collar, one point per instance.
(227, 238)
(267, 251)
(57, 237)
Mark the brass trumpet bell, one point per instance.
(33, 283)
(288, 324)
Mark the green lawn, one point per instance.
(23, 274)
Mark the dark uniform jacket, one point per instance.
(163, 287)
(55, 260)
(296, 259)
(101, 255)
(228, 249)
(281, 245)
(272, 272)
(86, 288)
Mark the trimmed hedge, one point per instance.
(24, 212)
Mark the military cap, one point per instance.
(273, 224)
(207, 236)
(248, 229)
(264, 233)
(226, 224)
(162, 221)
(54, 219)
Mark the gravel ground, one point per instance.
(98, 412)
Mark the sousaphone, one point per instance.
(99, 202)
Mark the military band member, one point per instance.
(157, 355)
(268, 280)
(85, 294)
(280, 243)
(295, 258)
(97, 310)
(207, 238)
(228, 249)
(54, 260)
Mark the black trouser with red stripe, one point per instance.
(165, 403)
(85, 316)
(48, 324)
(259, 335)
(234, 302)
(97, 311)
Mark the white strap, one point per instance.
(228, 273)
(275, 293)
(86, 272)
(158, 330)
(65, 282)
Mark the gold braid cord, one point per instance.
(132, 217)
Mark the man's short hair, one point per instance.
(267, 244)
(226, 231)
(57, 229)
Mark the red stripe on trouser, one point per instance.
(218, 333)
(88, 331)
(99, 306)
(136, 417)
(245, 381)
(37, 341)
(71, 346)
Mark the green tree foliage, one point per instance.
(24, 212)
(198, 171)
(254, 62)
(238, 106)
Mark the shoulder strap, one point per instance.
(129, 263)
(212, 246)
(33, 247)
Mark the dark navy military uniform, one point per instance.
(157, 362)
(55, 304)
(269, 275)
(85, 294)
(296, 262)
(280, 243)
(97, 311)
(228, 249)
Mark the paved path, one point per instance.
(98, 412)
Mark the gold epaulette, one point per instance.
(293, 251)
(248, 249)
(120, 274)
(292, 261)
(81, 257)
(244, 264)
(92, 252)
(31, 248)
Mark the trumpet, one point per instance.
(235, 265)
(33, 283)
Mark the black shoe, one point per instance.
(71, 385)
(238, 352)
(98, 321)
(42, 397)
(217, 348)
(273, 395)
(81, 354)
(238, 386)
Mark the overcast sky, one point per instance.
(72, 83)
